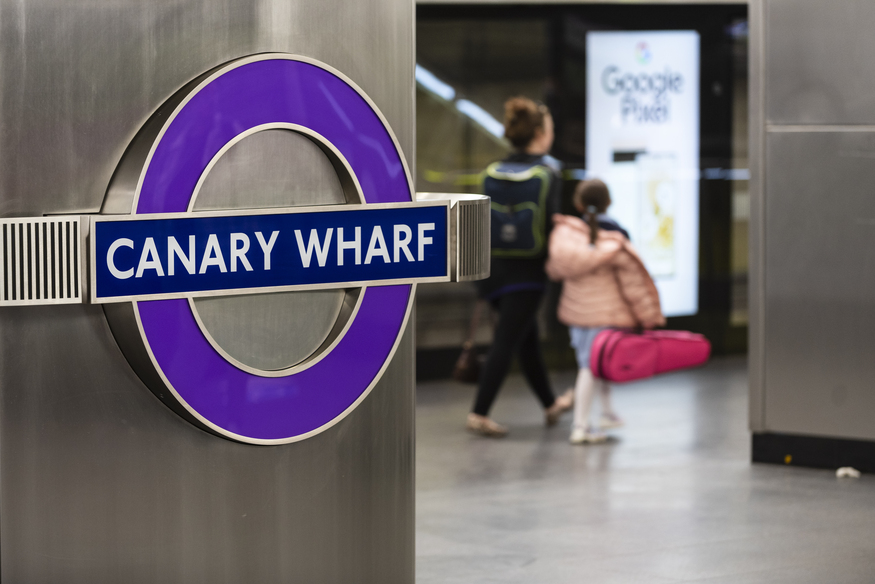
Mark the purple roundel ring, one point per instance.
(245, 94)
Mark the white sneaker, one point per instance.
(611, 420)
(587, 436)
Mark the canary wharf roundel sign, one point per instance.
(151, 254)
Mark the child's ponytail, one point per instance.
(592, 219)
(591, 197)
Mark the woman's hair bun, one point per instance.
(522, 117)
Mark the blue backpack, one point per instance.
(519, 197)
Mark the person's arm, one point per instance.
(570, 254)
(638, 289)
(553, 203)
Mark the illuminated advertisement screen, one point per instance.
(642, 139)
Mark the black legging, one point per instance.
(516, 332)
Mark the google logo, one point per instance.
(642, 53)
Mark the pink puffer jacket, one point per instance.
(604, 285)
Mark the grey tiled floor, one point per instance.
(673, 499)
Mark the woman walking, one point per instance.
(605, 284)
(525, 190)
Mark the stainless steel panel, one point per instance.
(99, 481)
(104, 484)
(819, 62)
(81, 78)
(820, 283)
(756, 232)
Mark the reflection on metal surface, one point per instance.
(40, 261)
(469, 234)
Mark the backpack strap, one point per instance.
(498, 170)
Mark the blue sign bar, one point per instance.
(198, 255)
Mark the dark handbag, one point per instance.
(470, 363)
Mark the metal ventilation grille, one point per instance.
(40, 261)
(472, 239)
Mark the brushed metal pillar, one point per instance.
(99, 481)
(812, 219)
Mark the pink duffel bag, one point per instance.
(624, 355)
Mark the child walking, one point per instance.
(605, 284)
